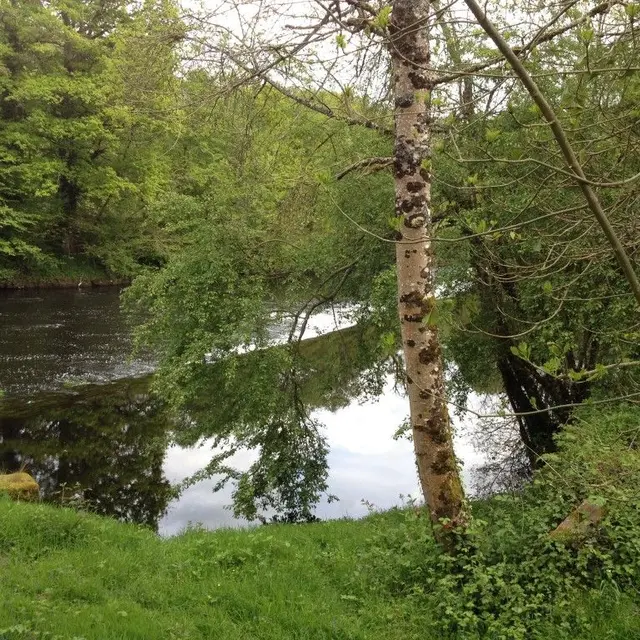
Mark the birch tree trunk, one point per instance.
(437, 467)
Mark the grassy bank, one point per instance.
(69, 575)
(77, 575)
(60, 273)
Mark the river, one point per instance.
(75, 412)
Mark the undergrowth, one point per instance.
(511, 579)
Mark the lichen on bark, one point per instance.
(432, 437)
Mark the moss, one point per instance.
(581, 522)
(19, 485)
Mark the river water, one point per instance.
(76, 413)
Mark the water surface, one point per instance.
(50, 338)
(78, 415)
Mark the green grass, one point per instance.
(70, 575)
(77, 575)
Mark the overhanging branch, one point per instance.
(570, 157)
(367, 166)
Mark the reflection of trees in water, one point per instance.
(507, 467)
(107, 445)
(263, 401)
(109, 441)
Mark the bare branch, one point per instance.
(367, 166)
(537, 39)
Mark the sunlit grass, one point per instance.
(70, 575)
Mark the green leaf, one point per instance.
(523, 350)
(388, 342)
(586, 34)
(597, 500)
(553, 365)
(383, 18)
(395, 222)
(433, 317)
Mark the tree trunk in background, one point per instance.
(437, 468)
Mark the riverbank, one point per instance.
(69, 575)
(61, 274)
(63, 283)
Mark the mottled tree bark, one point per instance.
(437, 468)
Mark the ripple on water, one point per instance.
(59, 334)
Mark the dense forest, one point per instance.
(465, 181)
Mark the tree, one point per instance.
(437, 467)
(568, 152)
(548, 305)
(416, 275)
(254, 238)
(81, 145)
(512, 247)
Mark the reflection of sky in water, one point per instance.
(57, 336)
(365, 462)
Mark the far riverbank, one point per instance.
(62, 275)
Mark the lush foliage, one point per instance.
(84, 130)
(512, 578)
(240, 204)
(257, 238)
(379, 577)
